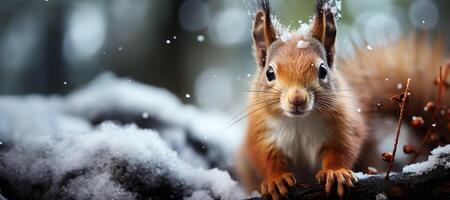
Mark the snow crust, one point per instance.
(434, 160)
(46, 139)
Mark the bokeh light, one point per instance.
(194, 15)
(85, 32)
(423, 14)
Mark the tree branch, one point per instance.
(434, 184)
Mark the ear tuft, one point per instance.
(324, 28)
(263, 31)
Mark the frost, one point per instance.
(54, 143)
(302, 44)
(434, 160)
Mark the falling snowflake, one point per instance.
(358, 110)
(188, 96)
(369, 47)
(145, 115)
(248, 75)
(65, 82)
(399, 86)
(119, 48)
(167, 41)
(200, 38)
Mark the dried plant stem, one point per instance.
(400, 118)
(441, 89)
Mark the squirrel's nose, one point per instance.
(297, 100)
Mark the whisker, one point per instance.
(250, 113)
(260, 91)
(260, 101)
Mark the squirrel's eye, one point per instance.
(270, 74)
(322, 71)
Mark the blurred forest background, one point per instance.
(198, 49)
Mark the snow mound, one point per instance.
(434, 160)
(50, 149)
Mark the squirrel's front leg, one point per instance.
(273, 166)
(336, 169)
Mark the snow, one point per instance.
(381, 196)
(50, 140)
(434, 160)
(335, 7)
(302, 44)
(286, 33)
(360, 175)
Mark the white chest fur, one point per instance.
(300, 137)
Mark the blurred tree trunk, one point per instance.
(54, 58)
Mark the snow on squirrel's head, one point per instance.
(295, 64)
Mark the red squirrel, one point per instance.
(300, 121)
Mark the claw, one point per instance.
(341, 178)
(276, 187)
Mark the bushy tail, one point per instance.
(376, 73)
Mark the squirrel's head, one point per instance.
(295, 68)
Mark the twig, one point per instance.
(400, 118)
(441, 84)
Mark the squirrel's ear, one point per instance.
(263, 35)
(324, 28)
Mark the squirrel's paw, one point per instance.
(342, 177)
(277, 187)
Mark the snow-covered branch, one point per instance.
(426, 180)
